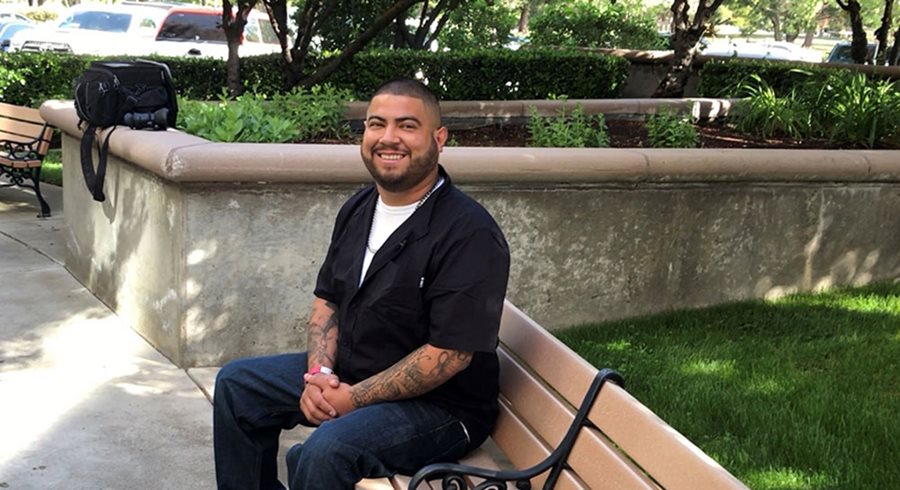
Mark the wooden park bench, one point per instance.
(24, 142)
(566, 422)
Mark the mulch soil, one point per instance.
(623, 133)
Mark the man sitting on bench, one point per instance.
(401, 369)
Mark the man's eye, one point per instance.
(374, 124)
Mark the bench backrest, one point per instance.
(25, 125)
(543, 382)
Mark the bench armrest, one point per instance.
(16, 150)
(453, 475)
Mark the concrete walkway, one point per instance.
(85, 403)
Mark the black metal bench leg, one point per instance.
(36, 178)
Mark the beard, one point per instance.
(419, 168)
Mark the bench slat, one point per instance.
(546, 355)
(19, 163)
(594, 459)
(525, 449)
(20, 112)
(28, 129)
(676, 463)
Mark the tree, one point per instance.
(859, 44)
(295, 58)
(686, 36)
(884, 30)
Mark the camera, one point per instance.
(155, 120)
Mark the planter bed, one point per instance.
(211, 250)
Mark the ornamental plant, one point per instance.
(667, 129)
(572, 129)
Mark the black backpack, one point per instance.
(139, 94)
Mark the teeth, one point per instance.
(391, 157)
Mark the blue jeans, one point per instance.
(256, 398)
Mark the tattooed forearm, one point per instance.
(421, 371)
(322, 333)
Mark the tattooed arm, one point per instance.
(322, 334)
(321, 343)
(423, 370)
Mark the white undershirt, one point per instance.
(385, 222)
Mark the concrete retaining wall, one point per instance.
(211, 250)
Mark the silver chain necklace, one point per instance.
(375, 213)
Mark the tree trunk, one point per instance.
(776, 26)
(684, 42)
(894, 60)
(859, 45)
(808, 38)
(883, 31)
(233, 25)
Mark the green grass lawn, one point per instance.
(51, 169)
(798, 393)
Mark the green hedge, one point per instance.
(723, 78)
(491, 74)
(30, 78)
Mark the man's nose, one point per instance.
(390, 134)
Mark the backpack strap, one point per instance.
(94, 180)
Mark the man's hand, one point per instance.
(312, 402)
(340, 398)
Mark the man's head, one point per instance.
(403, 135)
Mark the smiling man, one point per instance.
(401, 368)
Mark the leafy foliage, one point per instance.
(31, 78)
(588, 23)
(667, 129)
(491, 74)
(252, 117)
(28, 79)
(849, 112)
(574, 129)
(482, 24)
(767, 114)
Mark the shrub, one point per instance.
(568, 130)
(666, 129)
(766, 114)
(732, 77)
(253, 117)
(859, 112)
(458, 75)
(46, 76)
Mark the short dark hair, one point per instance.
(412, 88)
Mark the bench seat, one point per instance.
(622, 445)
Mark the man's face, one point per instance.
(401, 142)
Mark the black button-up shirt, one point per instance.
(440, 279)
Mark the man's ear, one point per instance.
(440, 137)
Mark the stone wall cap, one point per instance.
(180, 157)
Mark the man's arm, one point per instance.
(423, 370)
(321, 343)
(322, 334)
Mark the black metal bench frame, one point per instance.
(452, 476)
(18, 176)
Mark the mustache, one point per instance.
(388, 146)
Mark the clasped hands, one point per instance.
(324, 398)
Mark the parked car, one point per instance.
(8, 13)
(773, 50)
(197, 31)
(98, 30)
(8, 30)
(841, 53)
